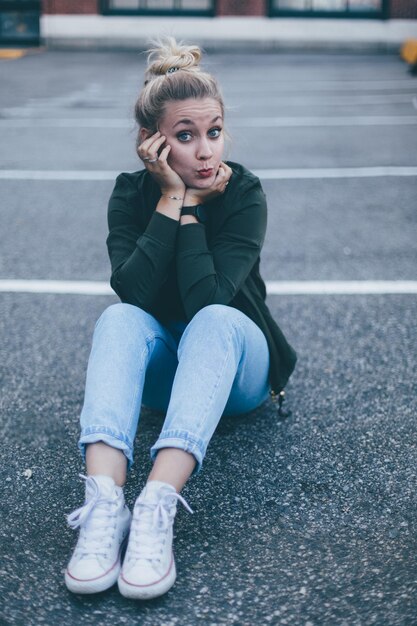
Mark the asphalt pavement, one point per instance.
(309, 521)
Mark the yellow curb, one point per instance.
(409, 51)
(7, 53)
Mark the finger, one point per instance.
(220, 178)
(164, 154)
(226, 174)
(150, 138)
(152, 151)
(228, 170)
(146, 145)
(153, 147)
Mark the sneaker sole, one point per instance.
(151, 590)
(101, 583)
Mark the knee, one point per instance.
(217, 315)
(213, 324)
(117, 311)
(217, 320)
(121, 314)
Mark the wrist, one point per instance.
(173, 192)
(174, 197)
(188, 219)
(197, 212)
(190, 200)
(169, 207)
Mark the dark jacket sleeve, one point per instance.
(214, 276)
(139, 257)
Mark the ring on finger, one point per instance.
(146, 158)
(152, 160)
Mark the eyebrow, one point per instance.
(191, 123)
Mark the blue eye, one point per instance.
(181, 135)
(215, 130)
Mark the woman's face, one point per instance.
(194, 130)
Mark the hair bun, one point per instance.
(168, 55)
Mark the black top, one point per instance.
(173, 270)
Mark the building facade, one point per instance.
(375, 9)
(20, 19)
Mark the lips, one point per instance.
(205, 173)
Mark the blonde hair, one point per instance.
(173, 73)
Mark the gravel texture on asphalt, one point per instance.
(312, 519)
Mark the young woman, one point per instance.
(192, 335)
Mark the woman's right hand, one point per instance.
(157, 165)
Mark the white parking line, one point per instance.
(347, 287)
(67, 122)
(260, 94)
(265, 174)
(78, 287)
(244, 122)
(270, 99)
(58, 174)
(351, 120)
(284, 85)
(336, 172)
(274, 288)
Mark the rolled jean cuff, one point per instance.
(94, 434)
(184, 440)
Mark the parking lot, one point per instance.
(309, 521)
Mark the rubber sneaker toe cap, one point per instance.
(87, 569)
(142, 573)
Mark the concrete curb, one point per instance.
(227, 33)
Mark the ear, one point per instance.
(144, 133)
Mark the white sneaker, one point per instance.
(148, 568)
(104, 522)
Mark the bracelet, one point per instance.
(173, 197)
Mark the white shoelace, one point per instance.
(150, 525)
(94, 519)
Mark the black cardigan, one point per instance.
(173, 270)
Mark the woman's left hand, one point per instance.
(199, 196)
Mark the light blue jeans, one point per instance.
(215, 365)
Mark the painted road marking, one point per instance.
(264, 174)
(336, 172)
(347, 287)
(359, 120)
(280, 84)
(233, 102)
(9, 54)
(58, 174)
(272, 99)
(274, 288)
(245, 122)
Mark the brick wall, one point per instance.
(403, 9)
(241, 7)
(57, 7)
(399, 9)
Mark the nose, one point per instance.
(204, 151)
